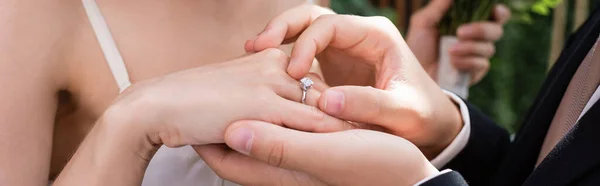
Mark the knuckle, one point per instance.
(316, 119)
(276, 156)
(382, 20)
(316, 114)
(271, 72)
(275, 54)
(383, 26)
(170, 137)
(326, 18)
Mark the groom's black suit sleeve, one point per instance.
(479, 160)
(487, 146)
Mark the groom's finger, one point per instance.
(241, 169)
(308, 118)
(280, 147)
(365, 105)
(331, 31)
(291, 90)
(320, 84)
(285, 26)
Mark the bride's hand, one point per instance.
(405, 101)
(194, 107)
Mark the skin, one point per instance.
(366, 54)
(57, 84)
(168, 111)
(281, 156)
(62, 77)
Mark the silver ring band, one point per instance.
(303, 96)
(305, 83)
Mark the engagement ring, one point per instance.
(305, 83)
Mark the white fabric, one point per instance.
(448, 76)
(181, 167)
(432, 176)
(108, 45)
(590, 103)
(460, 141)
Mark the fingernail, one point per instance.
(241, 140)
(333, 102)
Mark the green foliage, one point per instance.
(517, 72)
(361, 8)
(523, 10)
(465, 11)
(543, 7)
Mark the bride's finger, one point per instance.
(319, 84)
(287, 25)
(307, 118)
(291, 89)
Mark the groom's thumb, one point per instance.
(277, 146)
(364, 104)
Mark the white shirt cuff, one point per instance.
(432, 176)
(459, 143)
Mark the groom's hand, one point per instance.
(405, 101)
(280, 156)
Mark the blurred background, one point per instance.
(532, 41)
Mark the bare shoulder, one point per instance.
(34, 34)
(33, 37)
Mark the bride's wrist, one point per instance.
(115, 152)
(129, 125)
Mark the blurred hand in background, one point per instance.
(474, 49)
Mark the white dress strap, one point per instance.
(108, 45)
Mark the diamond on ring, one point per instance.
(306, 83)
